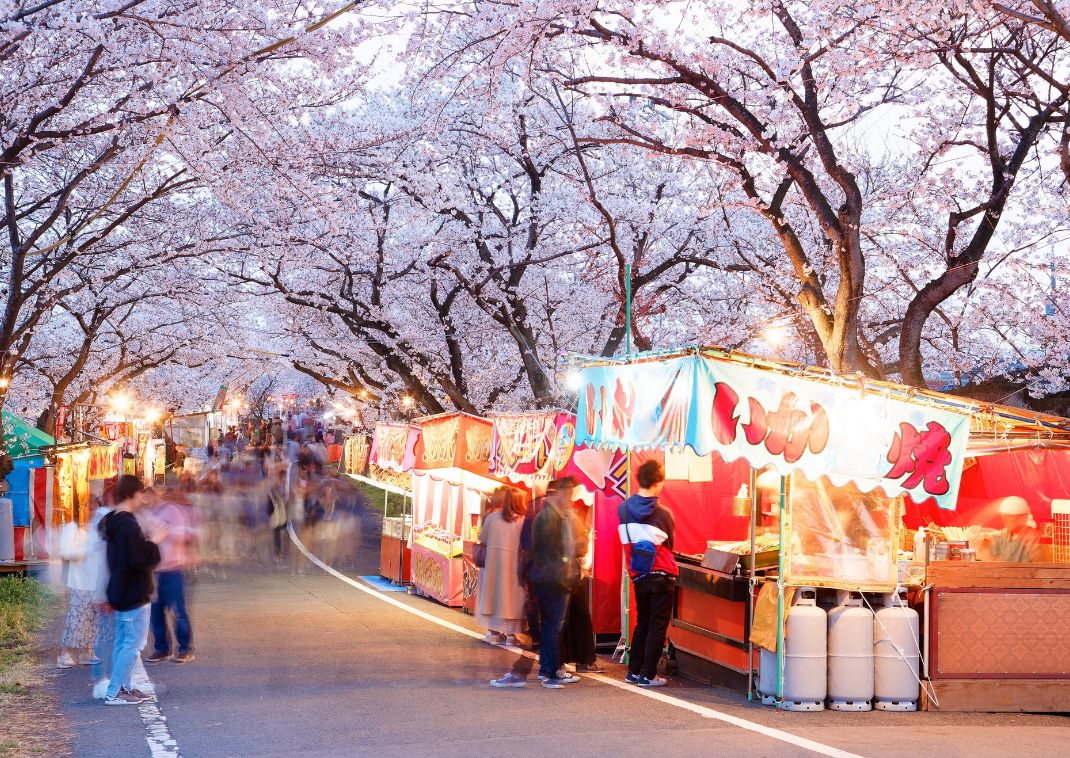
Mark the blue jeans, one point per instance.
(131, 634)
(102, 648)
(552, 603)
(170, 593)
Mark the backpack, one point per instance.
(643, 552)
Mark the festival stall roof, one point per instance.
(903, 440)
(394, 447)
(533, 448)
(22, 439)
(455, 447)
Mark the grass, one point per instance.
(25, 606)
(395, 505)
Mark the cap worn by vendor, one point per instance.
(1017, 506)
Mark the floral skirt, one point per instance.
(81, 630)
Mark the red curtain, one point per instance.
(1039, 476)
(703, 510)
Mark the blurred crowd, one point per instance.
(128, 568)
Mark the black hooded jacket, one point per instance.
(131, 559)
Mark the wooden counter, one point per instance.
(710, 626)
(395, 559)
(997, 636)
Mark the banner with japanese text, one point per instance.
(792, 423)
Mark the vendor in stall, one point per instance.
(1019, 540)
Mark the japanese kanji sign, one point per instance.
(793, 423)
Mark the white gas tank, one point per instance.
(896, 656)
(850, 654)
(805, 657)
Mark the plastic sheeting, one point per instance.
(840, 536)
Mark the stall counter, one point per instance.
(395, 556)
(1017, 659)
(438, 571)
(710, 625)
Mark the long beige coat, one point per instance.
(500, 598)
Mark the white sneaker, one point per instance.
(65, 661)
(494, 638)
(657, 681)
(88, 660)
(100, 689)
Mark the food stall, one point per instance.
(1017, 660)
(29, 487)
(355, 453)
(450, 481)
(389, 461)
(530, 449)
(838, 457)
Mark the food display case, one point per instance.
(437, 569)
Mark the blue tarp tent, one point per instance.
(25, 444)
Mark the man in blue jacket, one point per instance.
(645, 523)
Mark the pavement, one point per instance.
(293, 661)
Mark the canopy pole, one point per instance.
(780, 610)
(624, 646)
(750, 585)
(625, 590)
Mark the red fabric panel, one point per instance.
(39, 493)
(703, 510)
(21, 535)
(1039, 476)
(605, 603)
(334, 453)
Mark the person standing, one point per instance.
(97, 557)
(1019, 540)
(500, 597)
(80, 630)
(175, 558)
(131, 559)
(278, 517)
(554, 573)
(646, 531)
(577, 638)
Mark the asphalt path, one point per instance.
(292, 661)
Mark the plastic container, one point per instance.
(805, 658)
(850, 655)
(920, 547)
(896, 656)
(7, 530)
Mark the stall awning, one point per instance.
(533, 448)
(394, 447)
(22, 438)
(454, 440)
(840, 429)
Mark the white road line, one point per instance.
(661, 697)
(157, 735)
